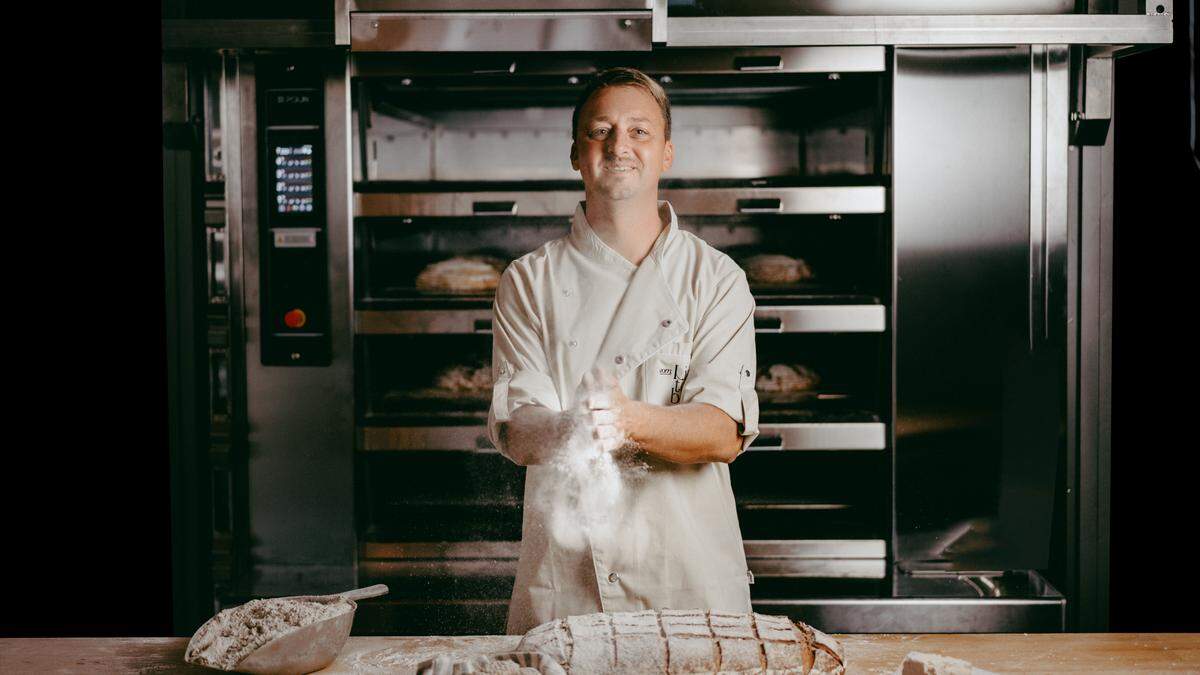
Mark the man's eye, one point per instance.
(643, 131)
(597, 132)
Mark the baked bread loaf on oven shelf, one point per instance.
(466, 379)
(685, 641)
(786, 382)
(774, 268)
(475, 273)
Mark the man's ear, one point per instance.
(668, 156)
(574, 156)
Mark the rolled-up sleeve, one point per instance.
(723, 364)
(520, 370)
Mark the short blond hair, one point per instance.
(628, 77)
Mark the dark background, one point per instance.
(87, 547)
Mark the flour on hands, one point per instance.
(593, 466)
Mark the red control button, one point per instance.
(295, 318)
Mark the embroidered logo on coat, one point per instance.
(678, 374)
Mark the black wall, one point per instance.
(87, 545)
(1155, 488)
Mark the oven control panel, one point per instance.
(294, 258)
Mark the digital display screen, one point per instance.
(294, 178)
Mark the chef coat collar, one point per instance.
(647, 317)
(586, 240)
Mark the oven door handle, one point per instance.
(508, 208)
(768, 324)
(772, 442)
(761, 62)
(509, 67)
(760, 205)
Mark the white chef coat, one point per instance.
(677, 328)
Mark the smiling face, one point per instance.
(620, 146)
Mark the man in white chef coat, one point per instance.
(643, 334)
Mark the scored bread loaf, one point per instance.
(685, 641)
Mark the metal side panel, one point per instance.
(979, 269)
(299, 420)
(619, 31)
(183, 197)
(1093, 387)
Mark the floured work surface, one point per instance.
(1001, 653)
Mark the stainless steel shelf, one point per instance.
(618, 30)
(686, 202)
(247, 34)
(473, 438)
(795, 200)
(420, 321)
(926, 30)
(821, 436)
(768, 319)
(490, 5)
(923, 615)
(818, 60)
(792, 559)
(450, 438)
(821, 319)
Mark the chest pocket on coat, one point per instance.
(664, 373)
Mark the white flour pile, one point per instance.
(227, 638)
(591, 479)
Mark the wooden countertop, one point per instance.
(1018, 652)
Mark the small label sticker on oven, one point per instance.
(296, 238)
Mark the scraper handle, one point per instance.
(368, 592)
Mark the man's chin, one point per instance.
(616, 192)
(622, 196)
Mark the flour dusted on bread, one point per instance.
(685, 641)
(774, 268)
(227, 638)
(467, 273)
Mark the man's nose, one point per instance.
(617, 145)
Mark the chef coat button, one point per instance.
(620, 359)
(573, 343)
(612, 577)
(666, 322)
(567, 292)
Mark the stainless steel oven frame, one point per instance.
(285, 438)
